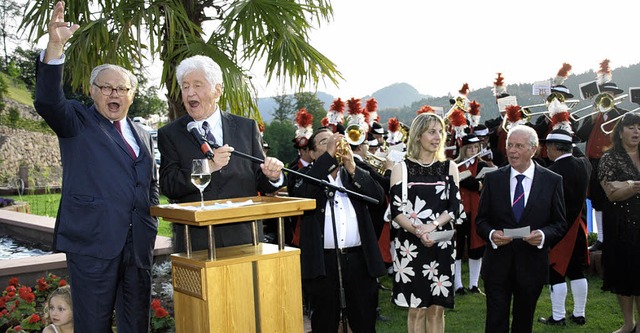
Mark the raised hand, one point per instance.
(59, 33)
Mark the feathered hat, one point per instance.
(458, 122)
(371, 106)
(425, 109)
(393, 125)
(474, 113)
(335, 115)
(499, 88)
(304, 129)
(514, 116)
(357, 115)
(604, 79)
(558, 81)
(560, 117)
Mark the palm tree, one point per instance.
(128, 32)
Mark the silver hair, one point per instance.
(210, 68)
(533, 136)
(98, 69)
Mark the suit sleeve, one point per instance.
(483, 219)
(175, 180)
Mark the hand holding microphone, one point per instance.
(220, 156)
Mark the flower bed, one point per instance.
(22, 307)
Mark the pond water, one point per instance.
(11, 248)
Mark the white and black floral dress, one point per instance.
(424, 275)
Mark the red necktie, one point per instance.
(131, 151)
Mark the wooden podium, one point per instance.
(246, 288)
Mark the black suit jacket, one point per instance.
(105, 193)
(544, 211)
(240, 178)
(377, 211)
(575, 172)
(312, 227)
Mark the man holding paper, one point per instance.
(521, 196)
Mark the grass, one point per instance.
(47, 205)
(468, 316)
(602, 313)
(17, 90)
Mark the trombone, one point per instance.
(603, 103)
(606, 123)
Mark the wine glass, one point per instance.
(200, 176)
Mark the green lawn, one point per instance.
(603, 313)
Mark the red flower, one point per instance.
(42, 284)
(34, 318)
(18, 328)
(26, 294)
(155, 303)
(14, 282)
(161, 313)
(62, 283)
(10, 288)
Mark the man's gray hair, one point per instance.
(533, 136)
(98, 69)
(210, 68)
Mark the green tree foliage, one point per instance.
(124, 32)
(314, 106)
(24, 60)
(10, 12)
(285, 111)
(147, 103)
(279, 135)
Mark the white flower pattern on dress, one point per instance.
(439, 286)
(408, 250)
(415, 212)
(402, 269)
(431, 269)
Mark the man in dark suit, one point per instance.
(570, 257)
(356, 246)
(521, 194)
(200, 80)
(103, 223)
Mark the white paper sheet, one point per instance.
(517, 232)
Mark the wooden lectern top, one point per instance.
(263, 207)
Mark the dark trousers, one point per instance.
(99, 285)
(360, 291)
(499, 296)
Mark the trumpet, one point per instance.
(606, 123)
(354, 135)
(603, 103)
(376, 162)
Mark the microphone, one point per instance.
(192, 127)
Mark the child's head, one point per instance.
(60, 306)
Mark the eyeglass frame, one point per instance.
(112, 89)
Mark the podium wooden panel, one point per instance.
(247, 288)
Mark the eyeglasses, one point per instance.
(108, 90)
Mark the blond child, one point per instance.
(60, 311)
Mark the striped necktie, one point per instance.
(518, 199)
(208, 133)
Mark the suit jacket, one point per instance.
(240, 178)
(377, 211)
(312, 226)
(105, 193)
(544, 211)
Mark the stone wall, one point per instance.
(39, 153)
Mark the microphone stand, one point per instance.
(321, 182)
(331, 199)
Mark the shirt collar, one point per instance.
(527, 173)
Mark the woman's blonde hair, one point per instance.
(418, 126)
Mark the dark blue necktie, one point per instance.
(208, 133)
(518, 199)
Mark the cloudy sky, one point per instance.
(437, 45)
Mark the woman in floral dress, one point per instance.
(424, 268)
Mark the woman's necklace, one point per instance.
(426, 165)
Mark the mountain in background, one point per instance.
(395, 96)
(401, 100)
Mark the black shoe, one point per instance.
(461, 291)
(476, 290)
(597, 246)
(578, 320)
(551, 321)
